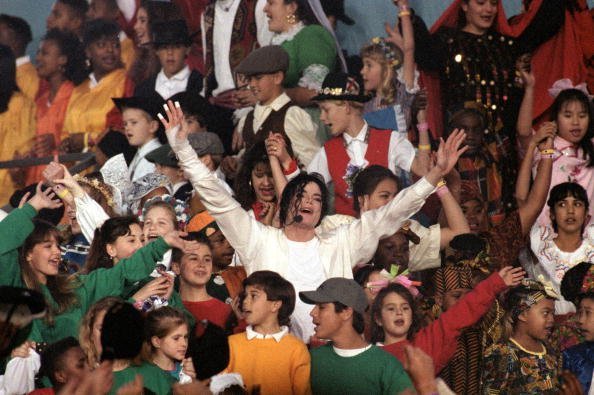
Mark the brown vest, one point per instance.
(274, 123)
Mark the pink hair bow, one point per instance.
(565, 83)
(401, 279)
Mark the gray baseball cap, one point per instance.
(338, 289)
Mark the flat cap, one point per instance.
(206, 143)
(265, 60)
(163, 155)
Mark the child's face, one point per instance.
(138, 126)
(569, 214)
(191, 124)
(383, 193)
(74, 365)
(326, 320)
(472, 125)
(222, 252)
(45, 257)
(172, 58)
(573, 121)
(371, 74)
(539, 319)
(175, 344)
(395, 316)
(334, 116)
(262, 183)
(173, 174)
(392, 250)
(125, 246)
(256, 307)
(265, 87)
(480, 14)
(196, 268)
(586, 318)
(476, 215)
(158, 222)
(96, 331)
(372, 291)
(310, 207)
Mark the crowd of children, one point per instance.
(269, 214)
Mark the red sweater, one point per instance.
(439, 339)
(212, 310)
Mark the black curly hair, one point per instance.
(71, 48)
(294, 190)
(571, 285)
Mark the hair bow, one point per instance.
(394, 277)
(564, 84)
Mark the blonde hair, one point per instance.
(387, 89)
(353, 104)
(160, 323)
(85, 333)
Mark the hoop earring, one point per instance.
(291, 19)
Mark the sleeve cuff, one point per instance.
(423, 188)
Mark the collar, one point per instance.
(148, 147)
(252, 334)
(277, 103)
(360, 136)
(23, 60)
(93, 81)
(279, 38)
(181, 75)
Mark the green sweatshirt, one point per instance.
(90, 288)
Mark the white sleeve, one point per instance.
(19, 377)
(425, 255)
(364, 234)
(128, 8)
(89, 215)
(319, 164)
(302, 133)
(401, 152)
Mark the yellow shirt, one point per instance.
(27, 80)
(128, 52)
(279, 368)
(17, 128)
(88, 107)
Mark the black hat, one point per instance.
(193, 104)
(51, 215)
(113, 143)
(171, 33)
(150, 104)
(121, 332)
(265, 60)
(338, 289)
(163, 155)
(342, 86)
(336, 8)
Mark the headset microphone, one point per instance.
(298, 218)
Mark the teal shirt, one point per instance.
(154, 378)
(312, 45)
(374, 371)
(90, 288)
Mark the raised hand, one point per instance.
(68, 181)
(544, 136)
(449, 151)
(44, 199)
(277, 146)
(394, 35)
(512, 276)
(173, 124)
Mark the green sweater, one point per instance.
(90, 288)
(374, 371)
(154, 378)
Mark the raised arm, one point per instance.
(524, 123)
(279, 158)
(452, 211)
(422, 162)
(405, 41)
(531, 202)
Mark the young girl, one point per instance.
(166, 343)
(524, 363)
(32, 259)
(396, 318)
(89, 333)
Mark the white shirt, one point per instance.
(252, 334)
(401, 153)
(221, 45)
(139, 165)
(168, 87)
(298, 126)
(306, 273)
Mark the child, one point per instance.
(265, 69)
(194, 271)
(348, 364)
(89, 333)
(577, 286)
(166, 164)
(269, 359)
(166, 333)
(142, 130)
(524, 363)
(396, 319)
(355, 144)
(197, 110)
(172, 43)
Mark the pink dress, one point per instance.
(568, 165)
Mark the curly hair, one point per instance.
(70, 47)
(571, 285)
(294, 190)
(387, 90)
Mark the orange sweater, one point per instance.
(277, 367)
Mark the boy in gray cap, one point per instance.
(264, 69)
(349, 365)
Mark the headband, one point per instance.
(564, 84)
(389, 53)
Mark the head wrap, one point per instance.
(532, 292)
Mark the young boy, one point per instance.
(142, 129)
(166, 164)
(68, 15)
(194, 272)
(198, 115)
(265, 70)
(270, 360)
(172, 43)
(349, 365)
(355, 145)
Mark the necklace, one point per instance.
(226, 8)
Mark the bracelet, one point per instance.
(404, 13)
(547, 156)
(422, 127)
(547, 151)
(442, 191)
(441, 183)
(62, 193)
(424, 147)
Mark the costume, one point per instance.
(91, 109)
(212, 310)
(15, 228)
(50, 119)
(579, 360)
(17, 128)
(139, 166)
(504, 242)
(343, 156)
(372, 371)
(185, 80)
(276, 364)
(510, 369)
(438, 339)
(26, 77)
(281, 116)
(154, 378)
(262, 247)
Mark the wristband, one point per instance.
(547, 151)
(442, 191)
(404, 13)
(441, 183)
(62, 193)
(424, 147)
(422, 127)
